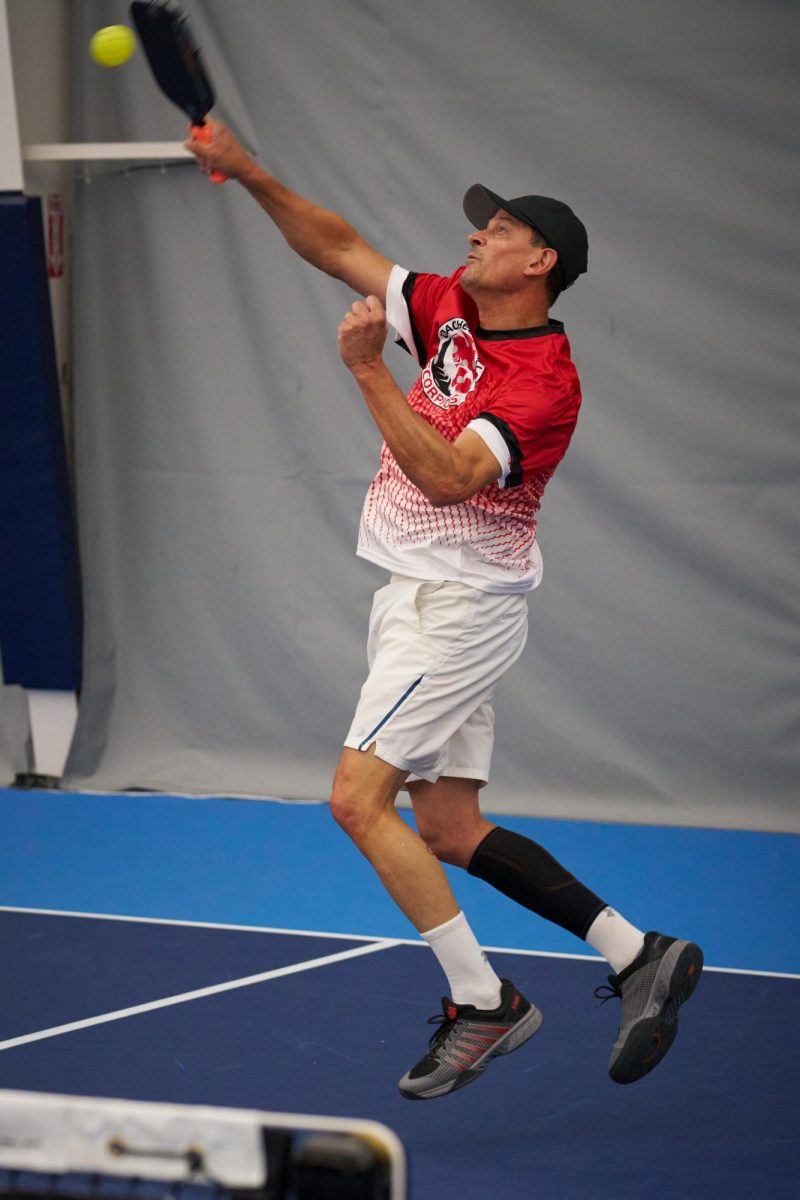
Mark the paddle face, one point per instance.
(176, 63)
(174, 56)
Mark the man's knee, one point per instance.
(363, 787)
(442, 844)
(453, 844)
(347, 805)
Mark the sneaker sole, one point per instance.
(507, 1044)
(649, 1039)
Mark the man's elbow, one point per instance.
(460, 480)
(450, 491)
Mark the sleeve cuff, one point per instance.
(494, 439)
(397, 313)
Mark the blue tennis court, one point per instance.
(236, 953)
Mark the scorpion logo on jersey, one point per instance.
(455, 370)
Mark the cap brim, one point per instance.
(480, 205)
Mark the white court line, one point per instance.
(350, 937)
(212, 990)
(62, 912)
(595, 958)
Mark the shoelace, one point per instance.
(607, 991)
(445, 1024)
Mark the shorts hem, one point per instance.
(481, 777)
(477, 773)
(393, 760)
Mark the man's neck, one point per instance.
(508, 312)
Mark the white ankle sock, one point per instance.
(471, 978)
(615, 938)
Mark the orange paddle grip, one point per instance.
(203, 134)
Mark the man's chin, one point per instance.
(469, 280)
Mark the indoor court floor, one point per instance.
(241, 953)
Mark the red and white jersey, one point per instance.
(519, 391)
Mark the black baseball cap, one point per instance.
(554, 220)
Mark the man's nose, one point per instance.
(477, 237)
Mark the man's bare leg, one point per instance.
(484, 1017)
(364, 791)
(449, 818)
(362, 801)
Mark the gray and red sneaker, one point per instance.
(652, 988)
(467, 1039)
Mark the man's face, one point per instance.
(498, 256)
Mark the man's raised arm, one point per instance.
(321, 237)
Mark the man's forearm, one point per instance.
(318, 235)
(431, 462)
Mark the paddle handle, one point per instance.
(203, 134)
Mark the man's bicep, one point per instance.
(364, 269)
(478, 464)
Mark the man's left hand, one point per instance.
(362, 334)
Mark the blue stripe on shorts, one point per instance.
(390, 713)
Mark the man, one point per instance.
(451, 515)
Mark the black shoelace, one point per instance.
(607, 991)
(445, 1024)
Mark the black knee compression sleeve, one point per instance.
(524, 871)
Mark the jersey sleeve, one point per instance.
(411, 303)
(528, 429)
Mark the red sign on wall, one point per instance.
(55, 236)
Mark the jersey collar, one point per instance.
(502, 335)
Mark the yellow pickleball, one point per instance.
(113, 45)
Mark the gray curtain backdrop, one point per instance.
(223, 449)
(16, 746)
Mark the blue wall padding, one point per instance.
(40, 605)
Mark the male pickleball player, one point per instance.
(451, 515)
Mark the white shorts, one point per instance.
(436, 651)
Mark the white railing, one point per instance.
(104, 151)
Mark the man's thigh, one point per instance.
(365, 780)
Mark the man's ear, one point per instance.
(546, 258)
